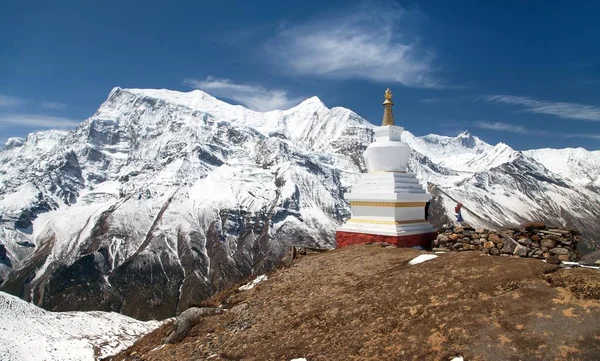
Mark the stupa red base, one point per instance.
(349, 238)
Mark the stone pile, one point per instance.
(534, 240)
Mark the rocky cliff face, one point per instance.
(162, 198)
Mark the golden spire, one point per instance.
(388, 117)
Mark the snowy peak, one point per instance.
(451, 152)
(577, 164)
(467, 140)
(493, 157)
(312, 102)
(309, 125)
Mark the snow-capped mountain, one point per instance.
(577, 164)
(162, 198)
(28, 332)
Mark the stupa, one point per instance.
(387, 203)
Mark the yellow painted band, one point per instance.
(387, 204)
(375, 221)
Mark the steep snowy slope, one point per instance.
(577, 164)
(151, 205)
(29, 333)
(162, 198)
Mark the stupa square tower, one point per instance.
(387, 203)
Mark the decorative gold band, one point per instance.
(393, 223)
(387, 204)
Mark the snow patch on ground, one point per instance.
(250, 285)
(422, 258)
(28, 332)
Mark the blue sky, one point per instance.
(526, 73)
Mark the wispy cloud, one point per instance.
(376, 43)
(53, 105)
(7, 101)
(253, 96)
(559, 109)
(431, 100)
(587, 136)
(37, 121)
(503, 127)
(519, 129)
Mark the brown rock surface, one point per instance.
(366, 303)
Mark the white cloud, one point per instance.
(588, 136)
(253, 96)
(37, 121)
(431, 100)
(7, 101)
(370, 42)
(53, 105)
(559, 109)
(503, 127)
(519, 129)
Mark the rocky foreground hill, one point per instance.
(162, 198)
(368, 303)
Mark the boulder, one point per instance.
(452, 237)
(538, 254)
(509, 247)
(548, 243)
(494, 251)
(494, 238)
(524, 241)
(559, 251)
(488, 245)
(520, 251)
(442, 238)
(536, 238)
(186, 321)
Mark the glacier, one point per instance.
(162, 198)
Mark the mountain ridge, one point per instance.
(160, 204)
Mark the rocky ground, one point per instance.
(367, 303)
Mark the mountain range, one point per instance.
(161, 198)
